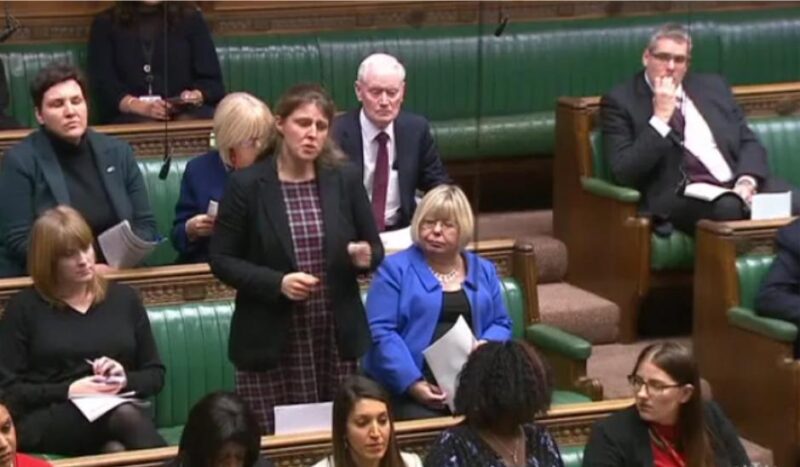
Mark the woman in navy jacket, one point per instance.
(417, 295)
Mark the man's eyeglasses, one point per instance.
(667, 57)
(653, 387)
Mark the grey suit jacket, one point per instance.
(31, 181)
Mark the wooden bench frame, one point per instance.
(569, 425)
(755, 379)
(607, 239)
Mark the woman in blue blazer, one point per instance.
(417, 295)
(241, 126)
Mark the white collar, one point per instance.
(370, 130)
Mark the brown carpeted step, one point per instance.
(515, 224)
(579, 312)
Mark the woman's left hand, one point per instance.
(360, 254)
(110, 371)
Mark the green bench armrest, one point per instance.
(609, 190)
(555, 340)
(776, 329)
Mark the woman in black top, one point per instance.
(72, 335)
(129, 46)
(670, 425)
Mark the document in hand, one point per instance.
(447, 355)
(95, 406)
(123, 248)
(303, 418)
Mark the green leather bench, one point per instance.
(192, 340)
(486, 96)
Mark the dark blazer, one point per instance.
(641, 158)
(622, 440)
(31, 181)
(418, 164)
(116, 62)
(252, 249)
(203, 180)
(779, 296)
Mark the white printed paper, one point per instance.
(705, 191)
(213, 207)
(123, 248)
(303, 418)
(94, 406)
(771, 206)
(447, 355)
(396, 240)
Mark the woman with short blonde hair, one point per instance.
(418, 294)
(242, 128)
(74, 335)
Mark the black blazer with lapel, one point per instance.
(623, 440)
(418, 164)
(640, 157)
(779, 295)
(31, 181)
(252, 249)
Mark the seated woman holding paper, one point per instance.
(418, 294)
(501, 389)
(221, 431)
(363, 428)
(65, 162)
(73, 335)
(241, 126)
(9, 455)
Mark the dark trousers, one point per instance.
(406, 408)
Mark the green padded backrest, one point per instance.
(751, 270)
(163, 196)
(572, 456)
(600, 168)
(192, 339)
(514, 299)
(781, 137)
(23, 61)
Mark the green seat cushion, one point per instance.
(555, 340)
(776, 329)
(172, 434)
(569, 397)
(672, 253)
(572, 456)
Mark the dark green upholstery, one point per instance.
(779, 135)
(460, 75)
(751, 270)
(572, 456)
(192, 339)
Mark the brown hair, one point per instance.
(294, 97)
(350, 392)
(693, 433)
(52, 74)
(58, 233)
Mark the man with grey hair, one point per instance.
(681, 139)
(393, 149)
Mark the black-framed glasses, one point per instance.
(667, 57)
(653, 387)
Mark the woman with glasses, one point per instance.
(418, 294)
(670, 424)
(241, 126)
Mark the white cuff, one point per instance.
(748, 178)
(662, 128)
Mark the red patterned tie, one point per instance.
(380, 181)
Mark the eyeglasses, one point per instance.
(430, 224)
(667, 57)
(653, 387)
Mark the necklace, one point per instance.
(512, 452)
(446, 277)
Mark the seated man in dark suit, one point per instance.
(779, 296)
(393, 149)
(668, 128)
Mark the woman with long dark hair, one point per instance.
(670, 424)
(363, 428)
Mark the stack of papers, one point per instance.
(94, 406)
(123, 248)
(303, 418)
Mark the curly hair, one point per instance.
(503, 385)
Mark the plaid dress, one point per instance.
(310, 369)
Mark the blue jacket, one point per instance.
(203, 180)
(403, 306)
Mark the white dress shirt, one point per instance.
(368, 133)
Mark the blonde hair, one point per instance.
(445, 202)
(241, 117)
(59, 232)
